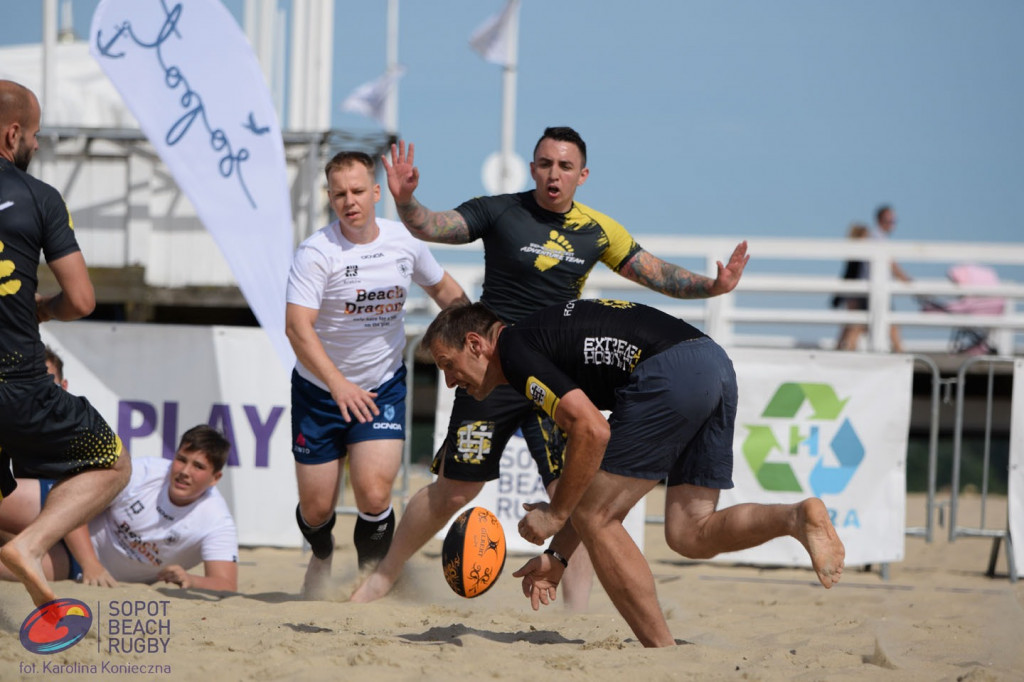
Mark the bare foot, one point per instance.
(373, 588)
(318, 576)
(821, 541)
(28, 570)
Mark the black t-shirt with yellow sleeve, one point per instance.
(533, 257)
(593, 345)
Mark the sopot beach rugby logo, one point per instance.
(56, 626)
(805, 442)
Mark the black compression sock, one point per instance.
(372, 536)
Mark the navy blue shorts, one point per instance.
(320, 434)
(676, 417)
(50, 433)
(478, 431)
(74, 568)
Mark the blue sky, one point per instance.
(746, 118)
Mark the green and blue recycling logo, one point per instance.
(784, 466)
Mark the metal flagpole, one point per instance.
(508, 111)
(48, 92)
(391, 101)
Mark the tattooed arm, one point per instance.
(652, 272)
(448, 227)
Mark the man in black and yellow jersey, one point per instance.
(539, 248)
(47, 431)
(672, 394)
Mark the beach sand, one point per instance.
(937, 617)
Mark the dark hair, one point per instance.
(345, 159)
(210, 442)
(453, 323)
(563, 134)
(880, 210)
(55, 360)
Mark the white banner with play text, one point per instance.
(153, 382)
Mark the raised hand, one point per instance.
(403, 176)
(729, 275)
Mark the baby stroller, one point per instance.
(969, 340)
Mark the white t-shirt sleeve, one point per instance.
(221, 543)
(307, 278)
(427, 271)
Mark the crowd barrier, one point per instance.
(1014, 523)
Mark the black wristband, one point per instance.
(558, 557)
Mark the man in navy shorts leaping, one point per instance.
(672, 395)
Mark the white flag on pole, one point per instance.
(490, 39)
(369, 99)
(191, 79)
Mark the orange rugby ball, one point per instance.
(473, 552)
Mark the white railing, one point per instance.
(784, 297)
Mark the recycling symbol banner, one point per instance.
(1015, 493)
(829, 425)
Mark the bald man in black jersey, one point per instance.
(672, 395)
(47, 431)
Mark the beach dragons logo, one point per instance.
(799, 460)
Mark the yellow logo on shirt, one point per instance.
(551, 254)
(615, 303)
(8, 287)
(541, 395)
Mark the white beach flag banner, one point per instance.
(829, 425)
(490, 39)
(518, 482)
(153, 382)
(189, 76)
(369, 98)
(1015, 491)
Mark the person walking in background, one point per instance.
(345, 319)
(885, 223)
(850, 334)
(539, 247)
(43, 428)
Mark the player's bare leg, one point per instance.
(373, 466)
(618, 562)
(816, 533)
(695, 529)
(318, 497)
(21, 562)
(578, 580)
(72, 502)
(318, 576)
(425, 515)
